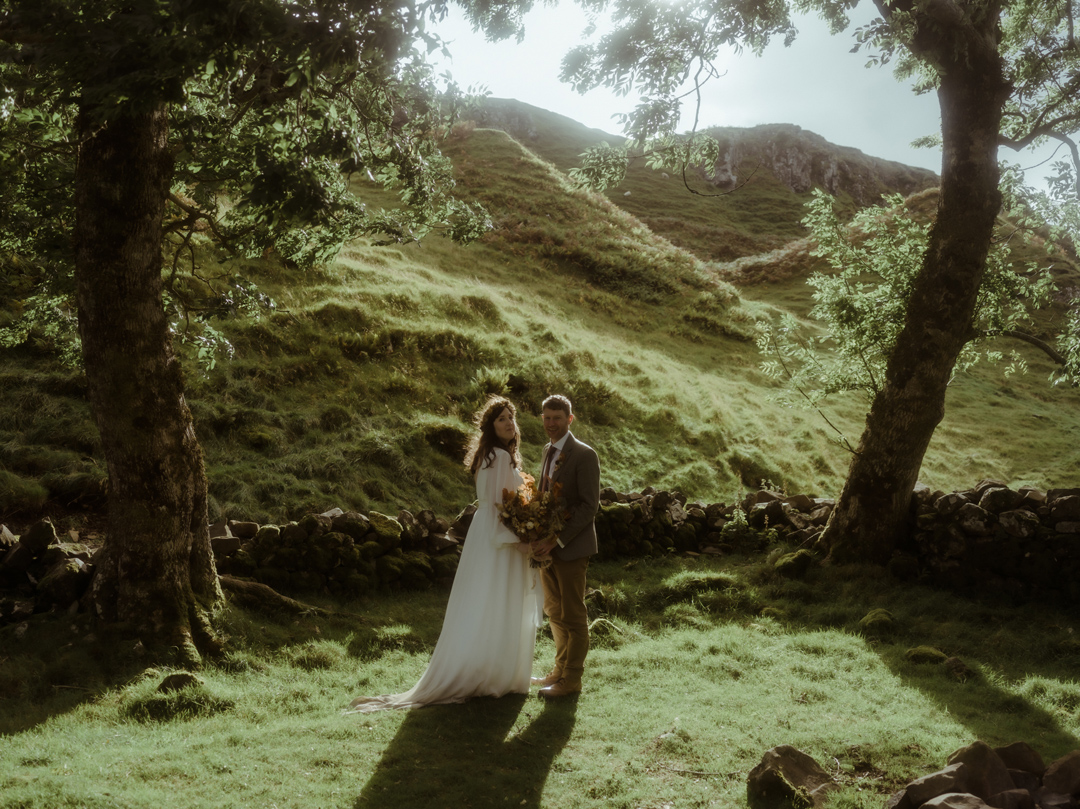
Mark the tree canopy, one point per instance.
(131, 128)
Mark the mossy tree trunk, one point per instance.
(155, 576)
(873, 510)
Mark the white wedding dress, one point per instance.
(486, 645)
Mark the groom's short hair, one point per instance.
(558, 402)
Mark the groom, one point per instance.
(574, 466)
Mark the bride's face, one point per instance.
(505, 426)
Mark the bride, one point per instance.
(486, 644)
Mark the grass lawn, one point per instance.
(698, 667)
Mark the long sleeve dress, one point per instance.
(489, 631)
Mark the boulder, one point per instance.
(973, 519)
(1019, 523)
(1021, 756)
(794, 565)
(999, 498)
(987, 774)
(950, 780)
(877, 623)
(1065, 509)
(64, 583)
(315, 525)
(224, 545)
(926, 654)
(785, 778)
(353, 524)
(949, 504)
(243, 529)
(1063, 776)
(387, 530)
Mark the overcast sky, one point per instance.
(817, 84)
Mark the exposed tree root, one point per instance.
(266, 599)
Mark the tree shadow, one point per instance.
(480, 754)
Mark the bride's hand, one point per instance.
(522, 548)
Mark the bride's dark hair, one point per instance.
(482, 445)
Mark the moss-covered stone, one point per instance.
(878, 623)
(618, 513)
(686, 538)
(268, 535)
(387, 530)
(445, 565)
(794, 565)
(417, 572)
(926, 654)
(389, 568)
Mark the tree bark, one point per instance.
(155, 575)
(872, 513)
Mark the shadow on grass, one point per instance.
(481, 754)
(1005, 682)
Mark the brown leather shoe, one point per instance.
(563, 688)
(549, 679)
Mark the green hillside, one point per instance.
(356, 390)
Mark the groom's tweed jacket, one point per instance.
(578, 473)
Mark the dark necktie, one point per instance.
(545, 479)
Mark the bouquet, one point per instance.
(532, 516)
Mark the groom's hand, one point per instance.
(544, 547)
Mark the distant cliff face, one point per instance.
(802, 161)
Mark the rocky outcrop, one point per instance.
(799, 159)
(802, 161)
(1010, 777)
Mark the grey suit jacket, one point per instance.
(578, 472)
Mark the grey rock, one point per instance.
(973, 519)
(1012, 799)
(787, 776)
(1019, 523)
(951, 779)
(1021, 756)
(986, 772)
(64, 583)
(956, 800)
(224, 546)
(243, 529)
(1065, 509)
(1063, 775)
(949, 504)
(999, 498)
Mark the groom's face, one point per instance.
(556, 423)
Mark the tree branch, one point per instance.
(1043, 346)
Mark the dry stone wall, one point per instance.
(990, 539)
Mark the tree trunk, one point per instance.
(155, 576)
(873, 511)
